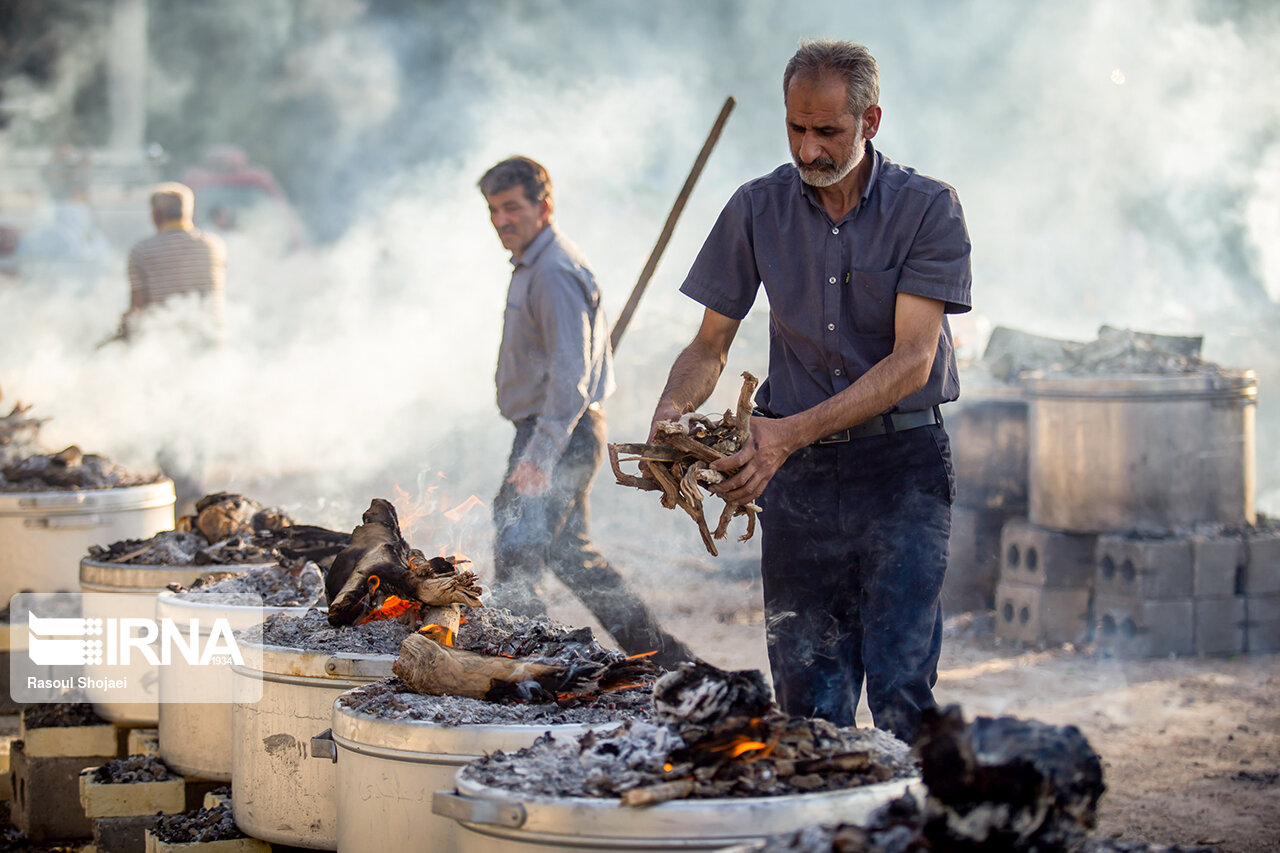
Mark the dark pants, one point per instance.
(552, 530)
(854, 540)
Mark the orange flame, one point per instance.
(423, 514)
(442, 635)
(642, 655)
(392, 608)
(668, 767)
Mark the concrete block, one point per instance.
(128, 799)
(1220, 625)
(1217, 566)
(974, 560)
(1147, 569)
(216, 798)
(1262, 564)
(1262, 623)
(230, 845)
(1134, 627)
(70, 741)
(143, 742)
(1036, 614)
(1037, 556)
(122, 834)
(198, 789)
(46, 796)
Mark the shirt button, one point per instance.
(835, 230)
(831, 327)
(832, 279)
(837, 371)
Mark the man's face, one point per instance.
(827, 141)
(516, 219)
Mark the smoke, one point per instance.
(1118, 163)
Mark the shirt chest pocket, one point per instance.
(870, 300)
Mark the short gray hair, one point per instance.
(172, 201)
(850, 61)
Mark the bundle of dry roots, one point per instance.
(678, 463)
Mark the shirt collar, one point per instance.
(536, 245)
(876, 158)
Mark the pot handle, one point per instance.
(322, 746)
(484, 812)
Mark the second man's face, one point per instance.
(516, 219)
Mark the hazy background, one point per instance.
(1118, 163)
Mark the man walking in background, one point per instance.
(861, 259)
(178, 259)
(555, 369)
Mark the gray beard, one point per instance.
(822, 178)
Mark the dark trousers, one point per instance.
(552, 531)
(854, 547)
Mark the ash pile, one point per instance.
(70, 468)
(713, 734)
(996, 784)
(229, 529)
(266, 586)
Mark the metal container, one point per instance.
(989, 447)
(493, 820)
(1140, 452)
(279, 793)
(43, 535)
(134, 588)
(389, 769)
(194, 735)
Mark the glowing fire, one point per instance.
(442, 635)
(737, 746)
(426, 511)
(642, 655)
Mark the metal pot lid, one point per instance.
(1230, 384)
(731, 818)
(429, 742)
(119, 499)
(304, 664)
(134, 577)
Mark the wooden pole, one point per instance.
(652, 264)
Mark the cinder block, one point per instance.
(1217, 566)
(143, 742)
(974, 560)
(216, 798)
(230, 845)
(128, 799)
(1133, 627)
(46, 796)
(70, 741)
(1262, 623)
(1220, 625)
(1149, 569)
(1036, 614)
(1262, 566)
(1037, 556)
(122, 834)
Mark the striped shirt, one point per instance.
(175, 261)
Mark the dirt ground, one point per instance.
(1190, 746)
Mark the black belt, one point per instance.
(889, 422)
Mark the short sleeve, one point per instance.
(724, 277)
(937, 265)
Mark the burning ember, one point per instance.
(678, 464)
(379, 577)
(718, 735)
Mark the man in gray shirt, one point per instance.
(861, 259)
(555, 368)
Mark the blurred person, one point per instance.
(861, 259)
(555, 368)
(178, 259)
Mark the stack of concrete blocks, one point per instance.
(122, 812)
(1045, 582)
(1210, 594)
(46, 764)
(989, 444)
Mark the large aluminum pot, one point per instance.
(493, 820)
(989, 447)
(389, 769)
(281, 699)
(194, 735)
(43, 535)
(134, 588)
(1141, 452)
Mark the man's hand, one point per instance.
(768, 445)
(664, 412)
(530, 480)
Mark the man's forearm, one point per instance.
(692, 379)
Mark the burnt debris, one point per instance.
(201, 825)
(70, 468)
(312, 632)
(270, 586)
(678, 463)
(132, 769)
(378, 576)
(50, 715)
